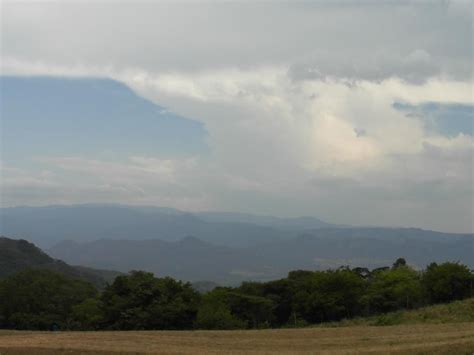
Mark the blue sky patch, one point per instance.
(447, 119)
(45, 116)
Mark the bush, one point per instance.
(217, 316)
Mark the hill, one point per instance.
(17, 255)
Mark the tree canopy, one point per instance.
(38, 298)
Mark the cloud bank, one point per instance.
(302, 105)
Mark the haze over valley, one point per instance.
(225, 248)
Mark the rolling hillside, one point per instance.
(17, 255)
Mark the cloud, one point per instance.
(298, 102)
(411, 40)
(285, 147)
(415, 67)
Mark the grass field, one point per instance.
(440, 329)
(453, 338)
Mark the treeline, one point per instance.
(42, 299)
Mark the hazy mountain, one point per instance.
(285, 223)
(189, 259)
(224, 247)
(49, 225)
(16, 255)
(192, 259)
(372, 247)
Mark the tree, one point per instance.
(37, 298)
(141, 301)
(88, 314)
(400, 262)
(281, 294)
(392, 289)
(215, 313)
(327, 295)
(447, 282)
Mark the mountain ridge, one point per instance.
(19, 254)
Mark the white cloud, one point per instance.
(284, 93)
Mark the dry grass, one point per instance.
(402, 339)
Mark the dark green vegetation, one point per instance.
(35, 299)
(17, 255)
(39, 298)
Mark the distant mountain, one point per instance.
(17, 255)
(269, 221)
(226, 248)
(372, 247)
(49, 225)
(191, 259)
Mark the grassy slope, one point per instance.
(455, 312)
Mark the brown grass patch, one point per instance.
(401, 339)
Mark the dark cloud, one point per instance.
(410, 40)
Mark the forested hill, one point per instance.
(17, 255)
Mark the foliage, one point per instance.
(392, 289)
(448, 282)
(215, 313)
(141, 301)
(327, 295)
(36, 299)
(87, 314)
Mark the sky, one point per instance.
(354, 112)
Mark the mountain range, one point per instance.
(226, 248)
(49, 225)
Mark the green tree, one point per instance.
(327, 295)
(392, 289)
(88, 314)
(447, 282)
(141, 301)
(399, 263)
(281, 294)
(37, 298)
(215, 313)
